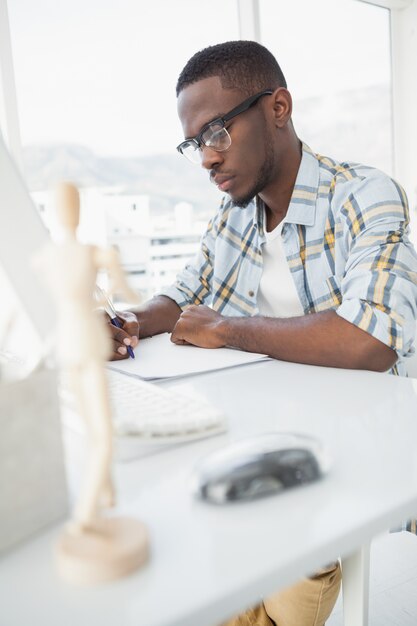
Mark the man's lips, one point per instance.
(223, 181)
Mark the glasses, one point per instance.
(214, 134)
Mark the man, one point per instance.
(307, 260)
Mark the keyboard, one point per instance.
(148, 413)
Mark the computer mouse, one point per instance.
(259, 466)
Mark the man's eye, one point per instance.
(217, 134)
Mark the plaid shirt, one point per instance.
(345, 237)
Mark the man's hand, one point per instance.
(199, 326)
(322, 338)
(158, 315)
(128, 335)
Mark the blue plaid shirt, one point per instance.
(346, 242)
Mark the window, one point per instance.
(102, 74)
(96, 92)
(97, 105)
(336, 59)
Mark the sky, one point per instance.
(102, 73)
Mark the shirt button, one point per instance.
(251, 293)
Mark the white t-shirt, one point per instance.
(277, 294)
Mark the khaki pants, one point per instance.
(308, 603)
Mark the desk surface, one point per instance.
(208, 562)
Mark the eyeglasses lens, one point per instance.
(217, 137)
(192, 152)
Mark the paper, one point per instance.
(157, 357)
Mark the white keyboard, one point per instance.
(146, 412)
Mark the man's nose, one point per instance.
(210, 158)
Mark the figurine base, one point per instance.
(112, 548)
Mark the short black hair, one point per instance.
(244, 65)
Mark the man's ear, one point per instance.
(282, 104)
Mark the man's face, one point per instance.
(248, 166)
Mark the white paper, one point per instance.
(157, 357)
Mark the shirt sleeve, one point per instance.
(194, 283)
(379, 286)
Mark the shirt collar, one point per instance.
(302, 207)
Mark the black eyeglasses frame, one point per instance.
(240, 108)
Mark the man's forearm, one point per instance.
(158, 315)
(318, 339)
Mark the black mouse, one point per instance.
(259, 466)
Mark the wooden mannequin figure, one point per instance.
(93, 547)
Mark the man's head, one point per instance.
(236, 115)
(243, 65)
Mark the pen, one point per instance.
(112, 313)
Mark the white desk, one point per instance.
(210, 562)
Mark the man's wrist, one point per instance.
(223, 331)
(157, 315)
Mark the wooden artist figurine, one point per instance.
(93, 547)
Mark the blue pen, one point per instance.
(112, 313)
